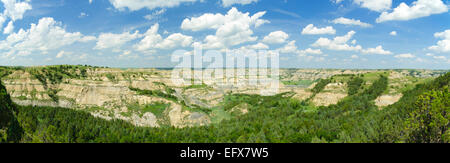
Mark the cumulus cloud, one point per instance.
(47, 35)
(15, 9)
(152, 40)
(444, 44)
(375, 5)
(175, 40)
(338, 43)
(407, 55)
(228, 3)
(232, 29)
(216, 21)
(289, 48)
(377, 50)
(111, 40)
(393, 33)
(312, 30)
(277, 37)
(347, 21)
(418, 9)
(310, 51)
(135, 5)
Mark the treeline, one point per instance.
(273, 119)
(10, 129)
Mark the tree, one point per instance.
(429, 123)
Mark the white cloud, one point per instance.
(440, 58)
(44, 36)
(82, 15)
(15, 9)
(310, 51)
(347, 21)
(375, 5)
(393, 33)
(155, 14)
(153, 40)
(135, 5)
(289, 48)
(338, 43)
(277, 37)
(232, 29)
(228, 3)
(216, 21)
(111, 40)
(9, 28)
(354, 57)
(444, 44)
(175, 40)
(312, 30)
(377, 50)
(408, 55)
(90, 1)
(82, 56)
(63, 53)
(258, 46)
(418, 9)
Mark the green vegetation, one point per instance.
(111, 77)
(354, 85)
(302, 83)
(52, 93)
(203, 85)
(321, 85)
(430, 122)
(156, 93)
(56, 74)
(156, 109)
(10, 130)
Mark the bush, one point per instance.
(430, 121)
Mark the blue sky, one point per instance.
(380, 34)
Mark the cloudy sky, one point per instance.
(361, 34)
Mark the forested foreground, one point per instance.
(422, 116)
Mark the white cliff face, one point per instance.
(113, 97)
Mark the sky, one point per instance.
(342, 34)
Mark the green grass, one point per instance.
(373, 76)
(219, 114)
(304, 83)
(156, 93)
(156, 109)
